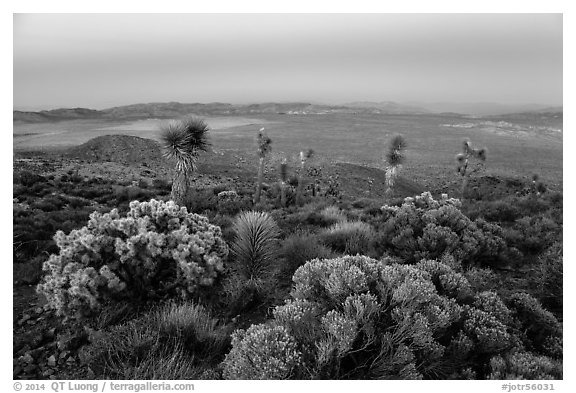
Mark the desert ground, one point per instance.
(65, 170)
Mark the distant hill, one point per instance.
(57, 115)
(485, 108)
(387, 107)
(168, 110)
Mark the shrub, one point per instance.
(261, 352)
(173, 341)
(333, 215)
(536, 234)
(157, 249)
(494, 211)
(233, 206)
(539, 325)
(350, 237)
(299, 248)
(549, 277)
(481, 279)
(355, 317)
(524, 365)
(28, 179)
(424, 228)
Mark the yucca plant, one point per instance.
(255, 245)
(264, 144)
(394, 158)
(183, 140)
(463, 159)
(283, 179)
(304, 157)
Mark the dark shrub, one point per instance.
(349, 237)
(161, 184)
(299, 248)
(539, 325)
(424, 228)
(174, 341)
(549, 277)
(28, 179)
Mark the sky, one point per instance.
(104, 60)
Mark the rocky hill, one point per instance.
(124, 149)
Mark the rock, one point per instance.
(38, 310)
(17, 371)
(50, 334)
(24, 318)
(64, 354)
(47, 373)
(27, 358)
(52, 361)
(30, 368)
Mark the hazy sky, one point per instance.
(104, 60)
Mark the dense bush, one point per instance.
(28, 179)
(349, 237)
(333, 214)
(261, 352)
(157, 249)
(494, 211)
(524, 365)
(536, 233)
(355, 317)
(424, 228)
(540, 327)
(549, 277)
(173, 341)
(299, 248)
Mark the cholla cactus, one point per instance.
(462, 161)
(264, 145)
(394, 158)
(158, 249)
(304, 157)
(183, 141)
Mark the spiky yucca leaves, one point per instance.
(255, 246)
(264, 145)
(183, 140)
(394, 157)
(304, 156)
(462, 161)
(283, 179)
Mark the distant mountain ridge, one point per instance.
(166, 110)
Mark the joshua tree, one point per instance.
(394, 158)
(462, 160)
(304, 156)
(183, 140)
(264, 144)
(283, 179)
